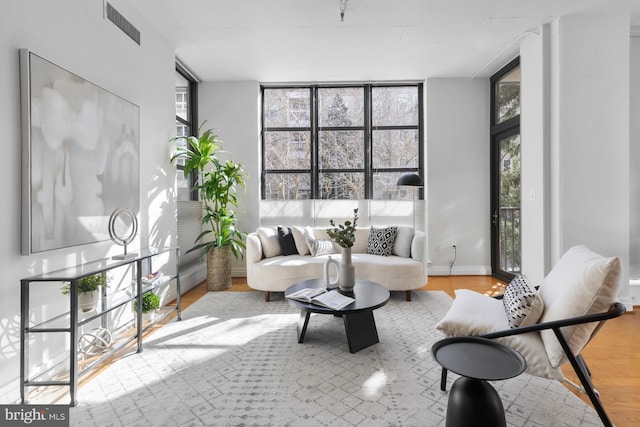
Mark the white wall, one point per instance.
(74, 35)
(232, 109)
(590, 136)
(458, 184)
(634, 170)
(575, 142)
(534, 138)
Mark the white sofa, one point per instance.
(268, 270)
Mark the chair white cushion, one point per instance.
(270, 241)
(522, 303)
(582, 282)
(473, 313)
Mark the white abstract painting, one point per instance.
(81, 157)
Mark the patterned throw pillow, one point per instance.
(381, 240)
(522, 302)
(320, 246)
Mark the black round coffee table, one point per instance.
(359, 323)
(472, 400)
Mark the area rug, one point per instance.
(234, 360)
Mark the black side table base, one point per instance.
(474, 403)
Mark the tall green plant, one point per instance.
(218, 182)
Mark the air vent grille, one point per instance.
(121, 22)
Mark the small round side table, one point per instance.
(472, 400)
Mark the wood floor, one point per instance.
(613, 356)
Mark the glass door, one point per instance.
(505, 216)
(505, 172)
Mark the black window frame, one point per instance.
(191, 122)
(314, 128)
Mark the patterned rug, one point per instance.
(234, 360)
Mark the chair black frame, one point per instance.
(577, 361)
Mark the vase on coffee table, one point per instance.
(347, 271)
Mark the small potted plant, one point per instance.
(150, 303)
(345, 236)
(88, 288)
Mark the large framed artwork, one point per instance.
(80, 151)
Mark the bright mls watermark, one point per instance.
(34, 415)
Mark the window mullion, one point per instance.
(368, 152)
(314, 142)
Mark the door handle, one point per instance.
(495, 217)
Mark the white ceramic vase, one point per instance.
(347, 271)
(87, 301)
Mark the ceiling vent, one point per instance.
(121, 22)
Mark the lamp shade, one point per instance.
(410, 180)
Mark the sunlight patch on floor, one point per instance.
(374, 385)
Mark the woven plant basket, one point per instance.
(219, 269)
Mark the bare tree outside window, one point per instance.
(346, 142)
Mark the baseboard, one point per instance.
(238, 272)
(628, 303)
(634, 295)
(193, 276)
(441, 270)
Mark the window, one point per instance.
(505, 176)
(347, 142)
(186, 119)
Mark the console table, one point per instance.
(120, 297)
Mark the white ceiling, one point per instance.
(305, 40)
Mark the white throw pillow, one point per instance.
(402, 245)
(522, 303)
(381, 240)
(270, 241)
(582, 282)
(299, 238)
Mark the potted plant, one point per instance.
(150, 303)
(88, 288)
(345, 236)
(217, 185)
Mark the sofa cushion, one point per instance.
(270, 242)
(402, 245)
(381, 240)
(278, 273)
(582, 282)
(362, 239)
(287, 242)
(522, 303)
(473, 313)
(394, 272)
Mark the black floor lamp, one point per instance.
(413, 181)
